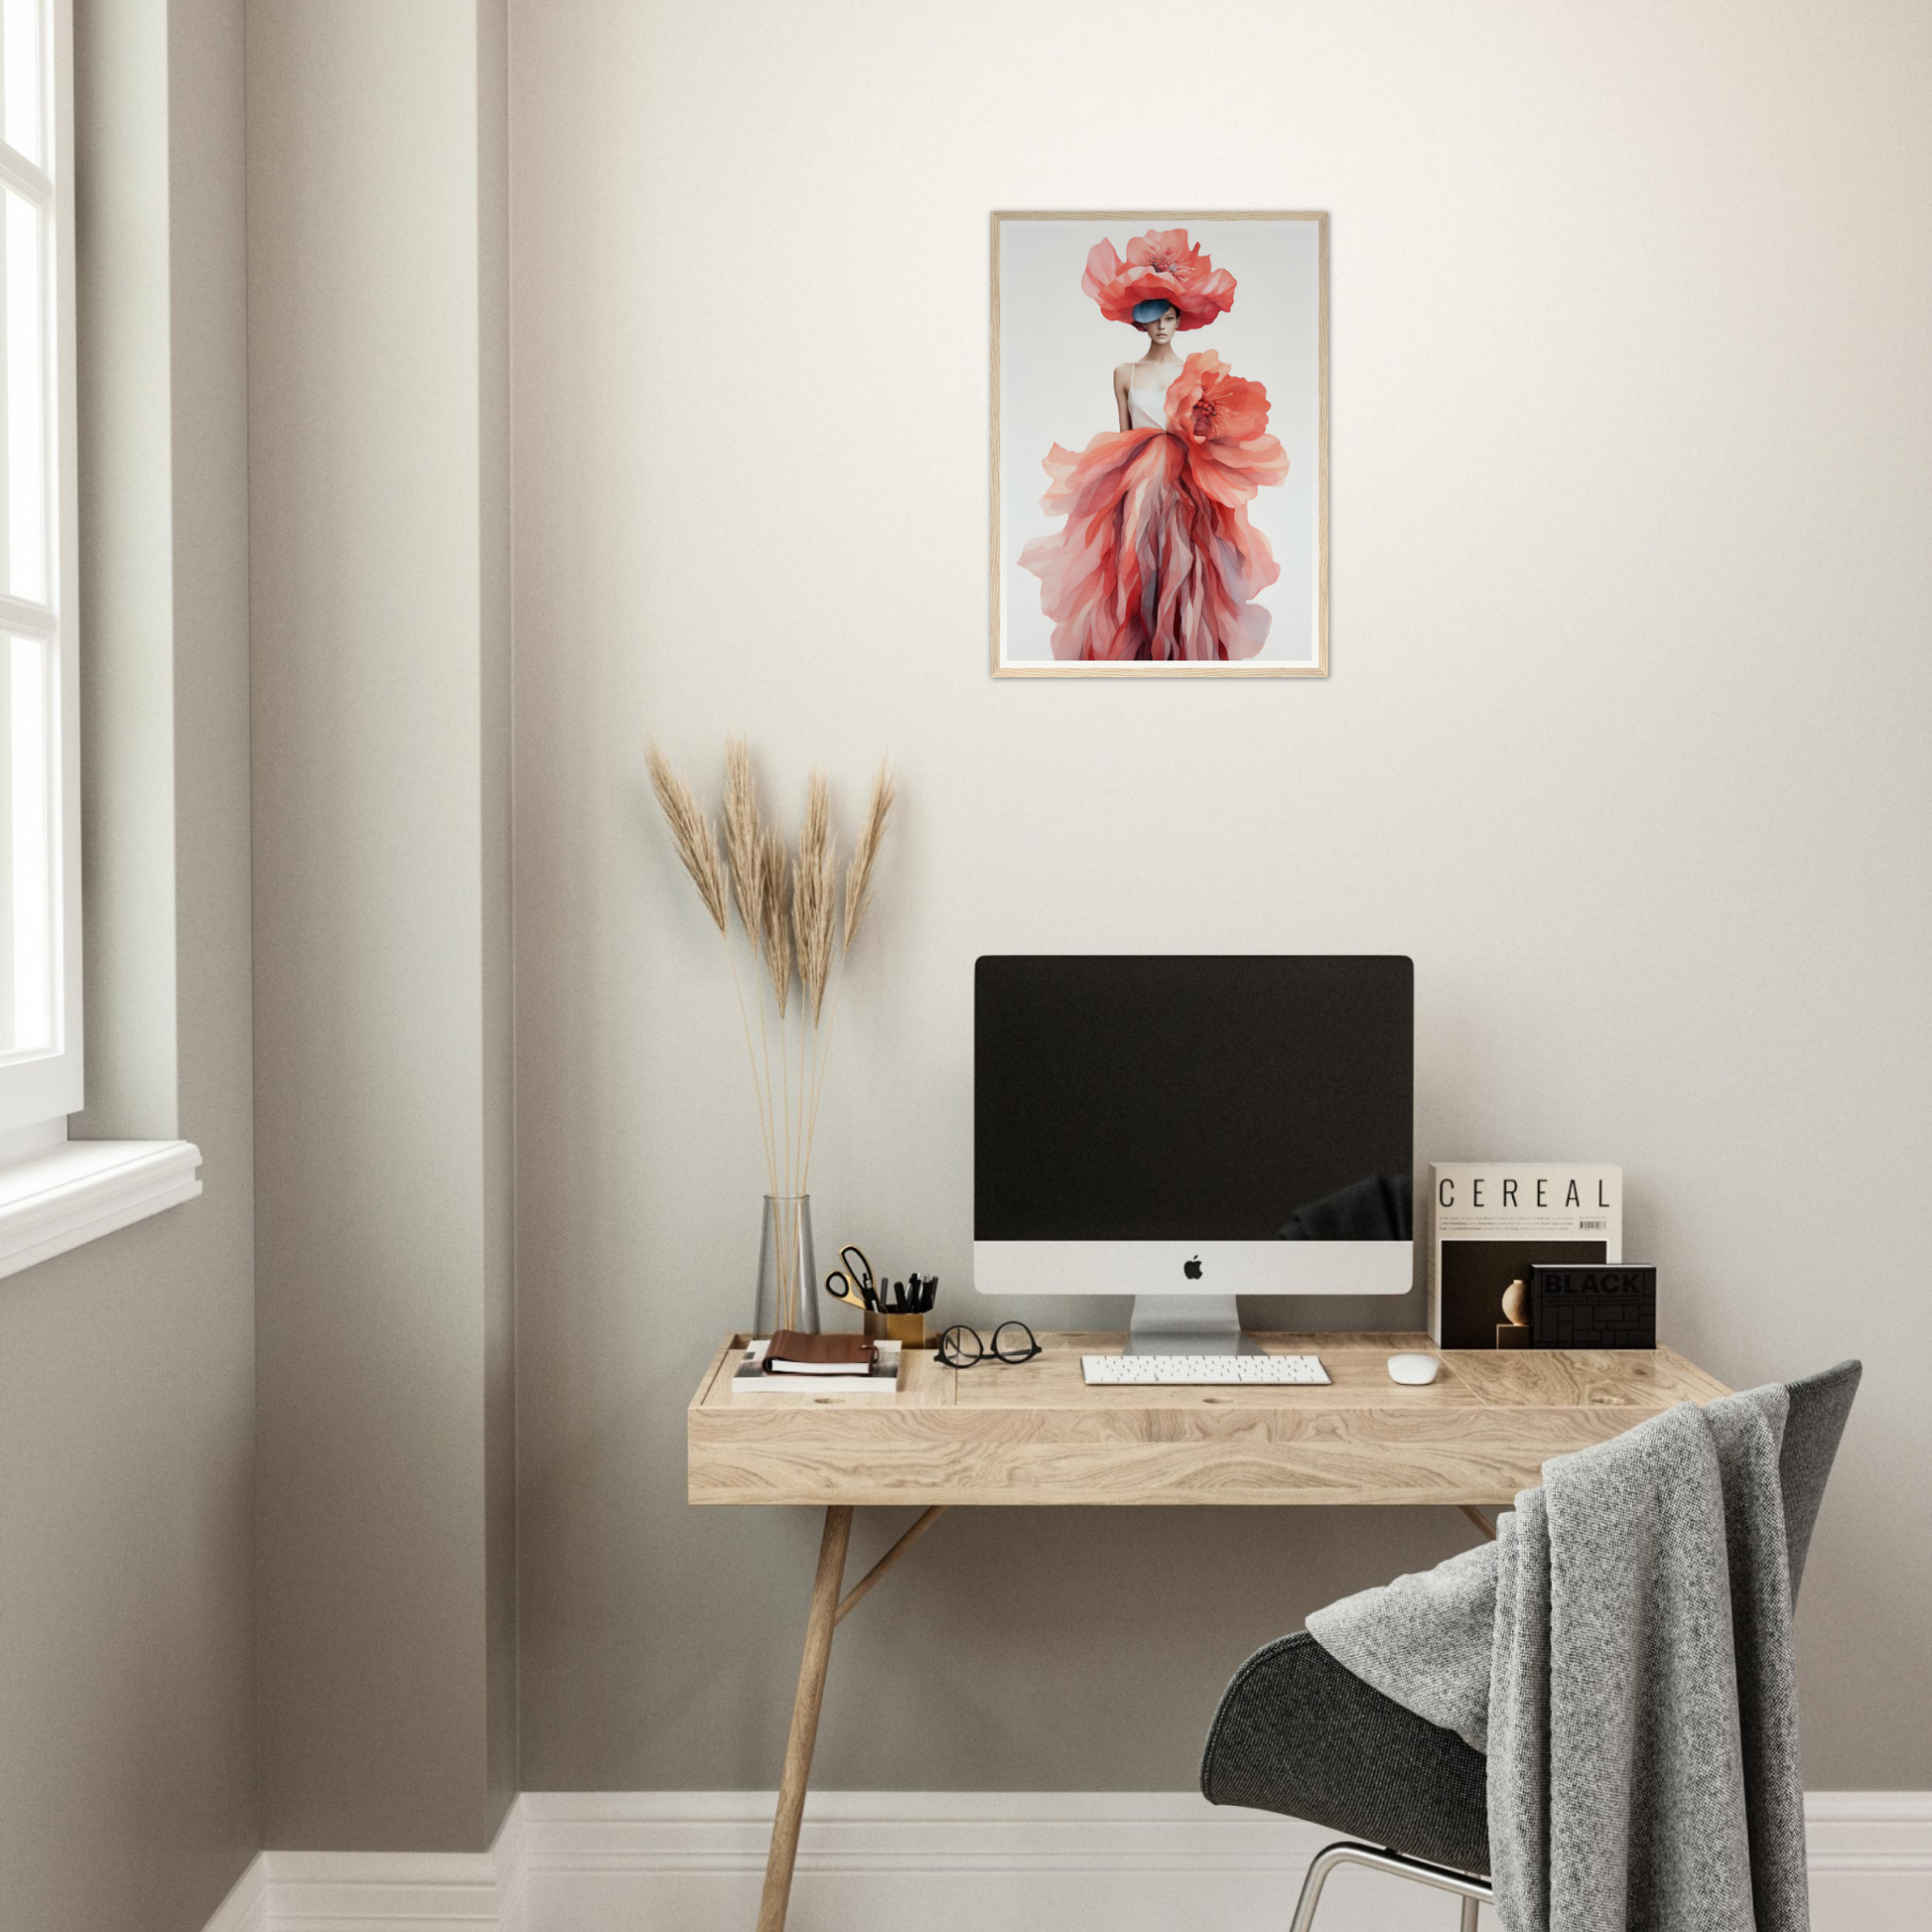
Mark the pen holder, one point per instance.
(907, 1329)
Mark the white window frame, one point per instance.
(38, 1090)
(55, 1194)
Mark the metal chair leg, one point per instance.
(1325, 1862)
(1472, 1891)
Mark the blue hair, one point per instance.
(1152, 309)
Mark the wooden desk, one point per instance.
(1032, 1433)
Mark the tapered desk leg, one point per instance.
(805, 1719)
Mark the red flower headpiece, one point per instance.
(1160, 267)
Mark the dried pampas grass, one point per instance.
(787, 910)
(814, 897)
(774, 918)
(865, 851)
(743, 848)
(691, 832)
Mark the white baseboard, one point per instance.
(245, 1910)
(384, 1891)
(955, 1862)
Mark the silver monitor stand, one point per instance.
(1187, 1324)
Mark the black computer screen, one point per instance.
(1204, 1098)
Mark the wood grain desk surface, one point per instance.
(1032, 1433)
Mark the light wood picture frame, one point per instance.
(1159, 478)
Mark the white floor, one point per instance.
(958, 1862)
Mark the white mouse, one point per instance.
(1414, 1368)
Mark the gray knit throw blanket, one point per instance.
(1622, 1652)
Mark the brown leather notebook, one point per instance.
(793, 1353)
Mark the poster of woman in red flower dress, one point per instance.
(1160, 444)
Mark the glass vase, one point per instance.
(787, 1272)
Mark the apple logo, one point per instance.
(1191, 1269)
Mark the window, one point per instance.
(40, 846)
(54, 1193)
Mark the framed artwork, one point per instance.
(1160, 444)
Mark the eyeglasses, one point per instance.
(1012, 1341)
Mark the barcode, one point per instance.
(1593, 1224)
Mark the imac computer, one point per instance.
(1185, 1130)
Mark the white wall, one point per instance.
(1625, 742)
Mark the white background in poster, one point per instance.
(1057, 354)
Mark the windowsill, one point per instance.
(79, 1190)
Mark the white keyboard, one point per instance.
(1201, 1371)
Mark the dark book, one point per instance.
(1609, 1306)
(795, 1353)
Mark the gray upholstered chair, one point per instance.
(1298, 1733)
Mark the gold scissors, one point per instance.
(852, 1282)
